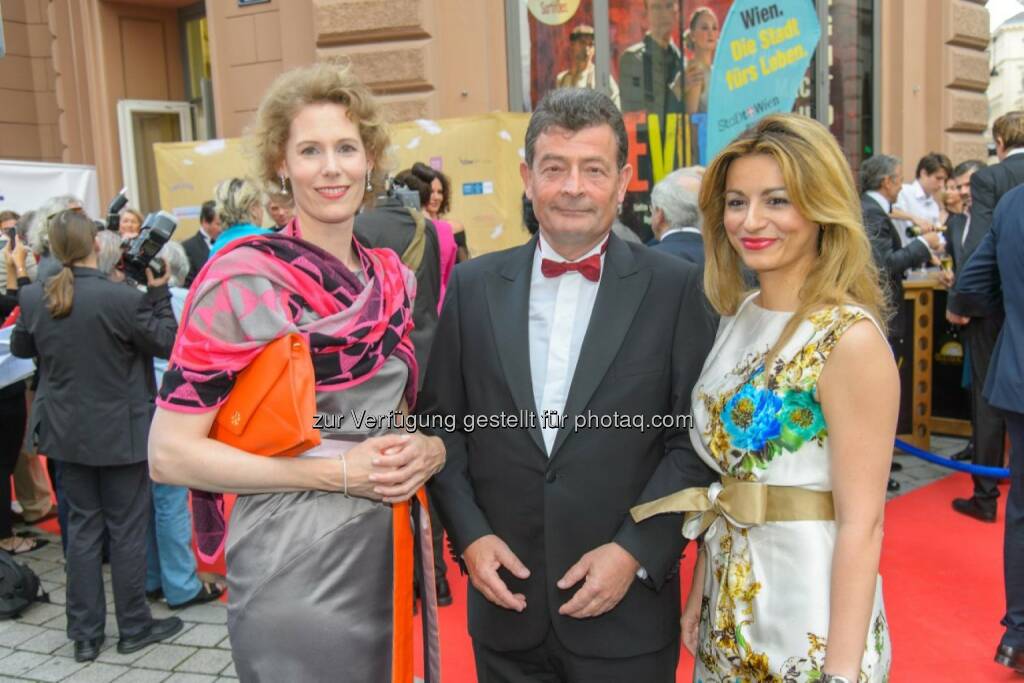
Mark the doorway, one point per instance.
(141, 124)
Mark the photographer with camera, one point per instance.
(94, 339)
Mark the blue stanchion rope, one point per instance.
(980, 470)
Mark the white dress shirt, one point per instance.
(560, 309)
(915, 201)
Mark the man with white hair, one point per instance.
(675, 215)
(39, 238)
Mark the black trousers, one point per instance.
(551, 662)
(12, 431)
(1013, 540)
(115, 501)
(987, 423)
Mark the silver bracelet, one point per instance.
(344, 471)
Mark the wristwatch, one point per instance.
(832, 678)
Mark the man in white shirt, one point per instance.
(916, 204)
(587, 342)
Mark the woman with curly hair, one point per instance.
(311, 566)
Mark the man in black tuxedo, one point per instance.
(575, 325)
(197, 247)
(675, 215)
(881, 178)
(993, 281)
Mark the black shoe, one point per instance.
(158, 594)
(158, 629)
(893, 485)
(444, 592)
(88, 650)
(972, 508)
(895, 467)
(208, 592)
(966, 454)
(1012, 657)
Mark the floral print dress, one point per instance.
(765, 606)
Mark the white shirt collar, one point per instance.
(206, 237)
(1015, 150)
(919, 192)
(880, 198)
(672, 231)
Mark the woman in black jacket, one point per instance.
(95, 340)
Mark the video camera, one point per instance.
(409, 198)
(138, 253)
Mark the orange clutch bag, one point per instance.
(271, 408)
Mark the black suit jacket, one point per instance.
(992, 283)
(687, 245)
(198, 252)
(389, 225)
(891, 259)
(96, 391)
(649, 334)
(988, 185)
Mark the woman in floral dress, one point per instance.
(796, 408)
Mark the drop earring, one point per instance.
(284, 187)
(369, 183)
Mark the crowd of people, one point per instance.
(766, 312)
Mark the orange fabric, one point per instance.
(402, 591)
(271, 408)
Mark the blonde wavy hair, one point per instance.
(236, 199)
(317, 84)
(820, 185)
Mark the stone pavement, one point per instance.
(35, 646)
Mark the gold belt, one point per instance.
(740, 503)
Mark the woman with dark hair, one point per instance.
(95, 339)
(446, 244)
(701, 39)
(438, 202)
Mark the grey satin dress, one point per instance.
(310, 573)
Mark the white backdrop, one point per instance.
(25, 185)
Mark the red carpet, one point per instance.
(943, 592)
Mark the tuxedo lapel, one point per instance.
(508, 300)
(619, 296)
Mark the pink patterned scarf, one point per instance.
(260, 288)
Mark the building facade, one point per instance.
(1006, 87)
(84, 80)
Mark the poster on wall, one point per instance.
(666, 57)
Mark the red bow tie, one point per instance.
(589, 267)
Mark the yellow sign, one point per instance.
(479, 154)
(553, 12)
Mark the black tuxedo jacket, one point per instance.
(988, 185)
(687, 245)
(650, 331)
(891, 259)
(198, 252)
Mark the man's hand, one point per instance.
(609, 570)
(956, 319)
(483, 558)
(947, 278)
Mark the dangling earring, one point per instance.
(284, 187)
(369, 183)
